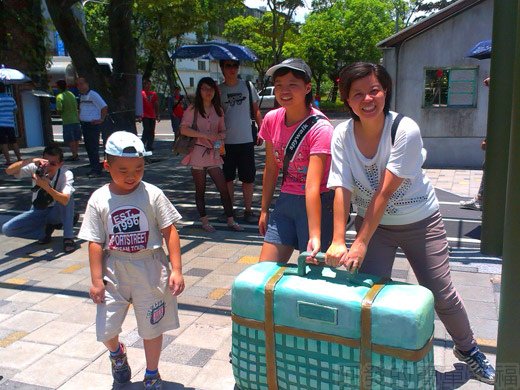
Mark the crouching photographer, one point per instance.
(52, 199)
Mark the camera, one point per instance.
(41, 172)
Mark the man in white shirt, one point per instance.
(237, 99)
(92, 113)
(52, 199)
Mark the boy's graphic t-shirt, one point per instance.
(128, 223)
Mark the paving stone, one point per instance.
(214, 280)
(5, 375)
(399, 274)
(184, 322)
(216, 375)
(167, 340)
(206, 262)
(14, 308)
(477, 293)
(12, 337)
(178, 353)
(218, 293)
(61, 281)
(209, 331)
(30, 296)
(130, 338)
(479, 309)
(28, 320)
(201, 357)
(194, 303)
(225, 301)
(41, 273)
(198, 291)
(85, 313)
(57, 303)
(471, 279)
(13, 385)
(50, 371)
(55, 332)
(82, 346)
(174, 375)
(88, 381)
(232, 268)
(22, 354)
(198, 272)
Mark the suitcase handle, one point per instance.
(302, 264)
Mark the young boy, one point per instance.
(125, 223)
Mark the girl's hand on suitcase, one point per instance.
(176, 283)
(313, 246)
(335, 253)
(355, 256)
(262, 222)
(97, 292)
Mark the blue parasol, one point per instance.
(216, 50)
(481, 50)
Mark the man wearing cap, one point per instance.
(237, 98)
(92, 113)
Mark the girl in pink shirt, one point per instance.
(205, 122)
(302, 217)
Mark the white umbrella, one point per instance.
(12, 76)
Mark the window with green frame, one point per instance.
(450, 87)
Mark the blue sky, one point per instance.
(300, 13)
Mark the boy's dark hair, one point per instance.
(198, 104)
(62, 85)
(53, 150)
(359, 70)
(299, 75)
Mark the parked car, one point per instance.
(266, 98)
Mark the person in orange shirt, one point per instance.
(151, 114)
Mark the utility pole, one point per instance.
(508, 354)
(499, 125)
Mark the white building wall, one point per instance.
(451, 135)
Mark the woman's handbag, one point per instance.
(184, 144)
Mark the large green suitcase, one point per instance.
(321, 328)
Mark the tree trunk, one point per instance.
(78, 47)
(124, 72)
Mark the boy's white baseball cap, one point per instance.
(125, 144)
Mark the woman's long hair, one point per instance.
(199, 104)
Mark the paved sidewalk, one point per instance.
(47, 333)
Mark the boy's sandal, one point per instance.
(208, 228)
(69, 245)
(235, 227)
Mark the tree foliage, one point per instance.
(270, 44)
(345, 32)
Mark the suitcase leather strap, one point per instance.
(270, 348)
(366, 334)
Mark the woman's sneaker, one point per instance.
(472, 204)
(152, 382)
(478, 363)
(120, 369)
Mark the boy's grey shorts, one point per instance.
(140, 279)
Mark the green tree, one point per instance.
(345, 32)
(257, 34)
(161, 25)
(119, 90)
